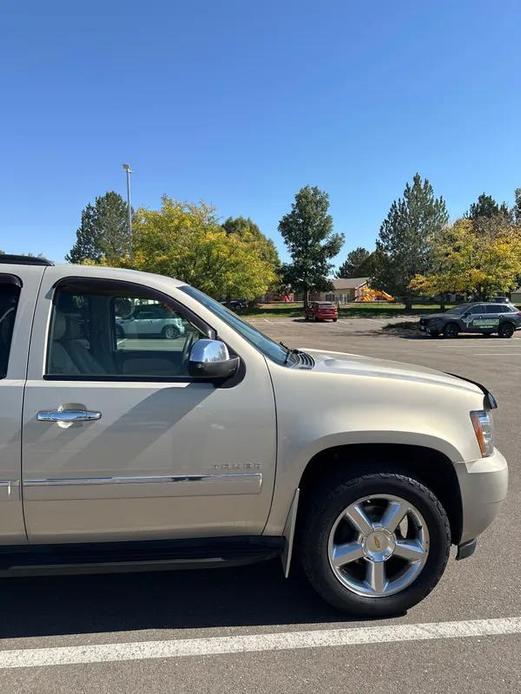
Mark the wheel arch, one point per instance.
(427, 465)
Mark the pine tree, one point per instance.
(406, 238)
(103, 232)
(355, 263)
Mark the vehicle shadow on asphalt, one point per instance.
(246, 596)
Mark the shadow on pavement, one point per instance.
(246, 596)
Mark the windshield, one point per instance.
(274, 350)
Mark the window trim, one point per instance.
(11, 280)
(112, 288)
(8, 278)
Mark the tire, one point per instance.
(317, 319)
(306, 318)
(320, 524)
(434, 333)
(335, 320)
(170, 332)
(451, 330)
(506, 329)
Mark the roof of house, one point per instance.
(349, 283)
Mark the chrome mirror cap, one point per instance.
(210, 359)
(209, 351)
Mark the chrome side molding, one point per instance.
(144, 486)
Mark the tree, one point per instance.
(248, 232)
(103, 232)
(467, 262)
(516, 211)
(185, 241)
(486, 207)
(406, 239)
(354, 264)
(308, 233)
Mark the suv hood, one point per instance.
(344, 363)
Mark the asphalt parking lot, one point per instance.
(186, 612)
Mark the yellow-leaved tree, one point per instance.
(476, 264)
(185, 241)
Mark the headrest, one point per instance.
(60, 325)
(67, 326)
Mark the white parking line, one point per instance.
(144, 650)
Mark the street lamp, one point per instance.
(126, 167)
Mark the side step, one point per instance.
(147, 555)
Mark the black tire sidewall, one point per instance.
(508, 327)
(313, 547)
(451, 330)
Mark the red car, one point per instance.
(322, 310)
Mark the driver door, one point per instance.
(151, 453)
(473, 317)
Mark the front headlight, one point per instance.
(484, 430)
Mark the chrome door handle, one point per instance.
(68, 416)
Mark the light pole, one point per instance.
(127, 168)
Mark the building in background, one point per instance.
(352, 289)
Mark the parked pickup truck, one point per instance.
(201, 451)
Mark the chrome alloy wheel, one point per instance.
(378, 545)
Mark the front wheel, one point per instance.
(451, 330)
(375, 545)
(506, 330)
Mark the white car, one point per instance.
(150, 320)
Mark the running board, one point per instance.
(129, 557)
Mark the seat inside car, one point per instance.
(69, 353)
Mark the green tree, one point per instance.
(246, 229)
(308, 233)
(406, 239)
(103, 232)
(466, 262)
(185, 241)
(486, 207)
(354, 264)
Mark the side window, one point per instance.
(479, 308)
(493, 308)
(118, 334)
(9, 295)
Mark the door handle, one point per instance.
(68, 416)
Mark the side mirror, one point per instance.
(210, 359)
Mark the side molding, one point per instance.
(289, 533)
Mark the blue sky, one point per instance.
(242, 102)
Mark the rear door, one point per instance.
(18, 292)
(493, 316)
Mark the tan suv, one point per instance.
(135, 450)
